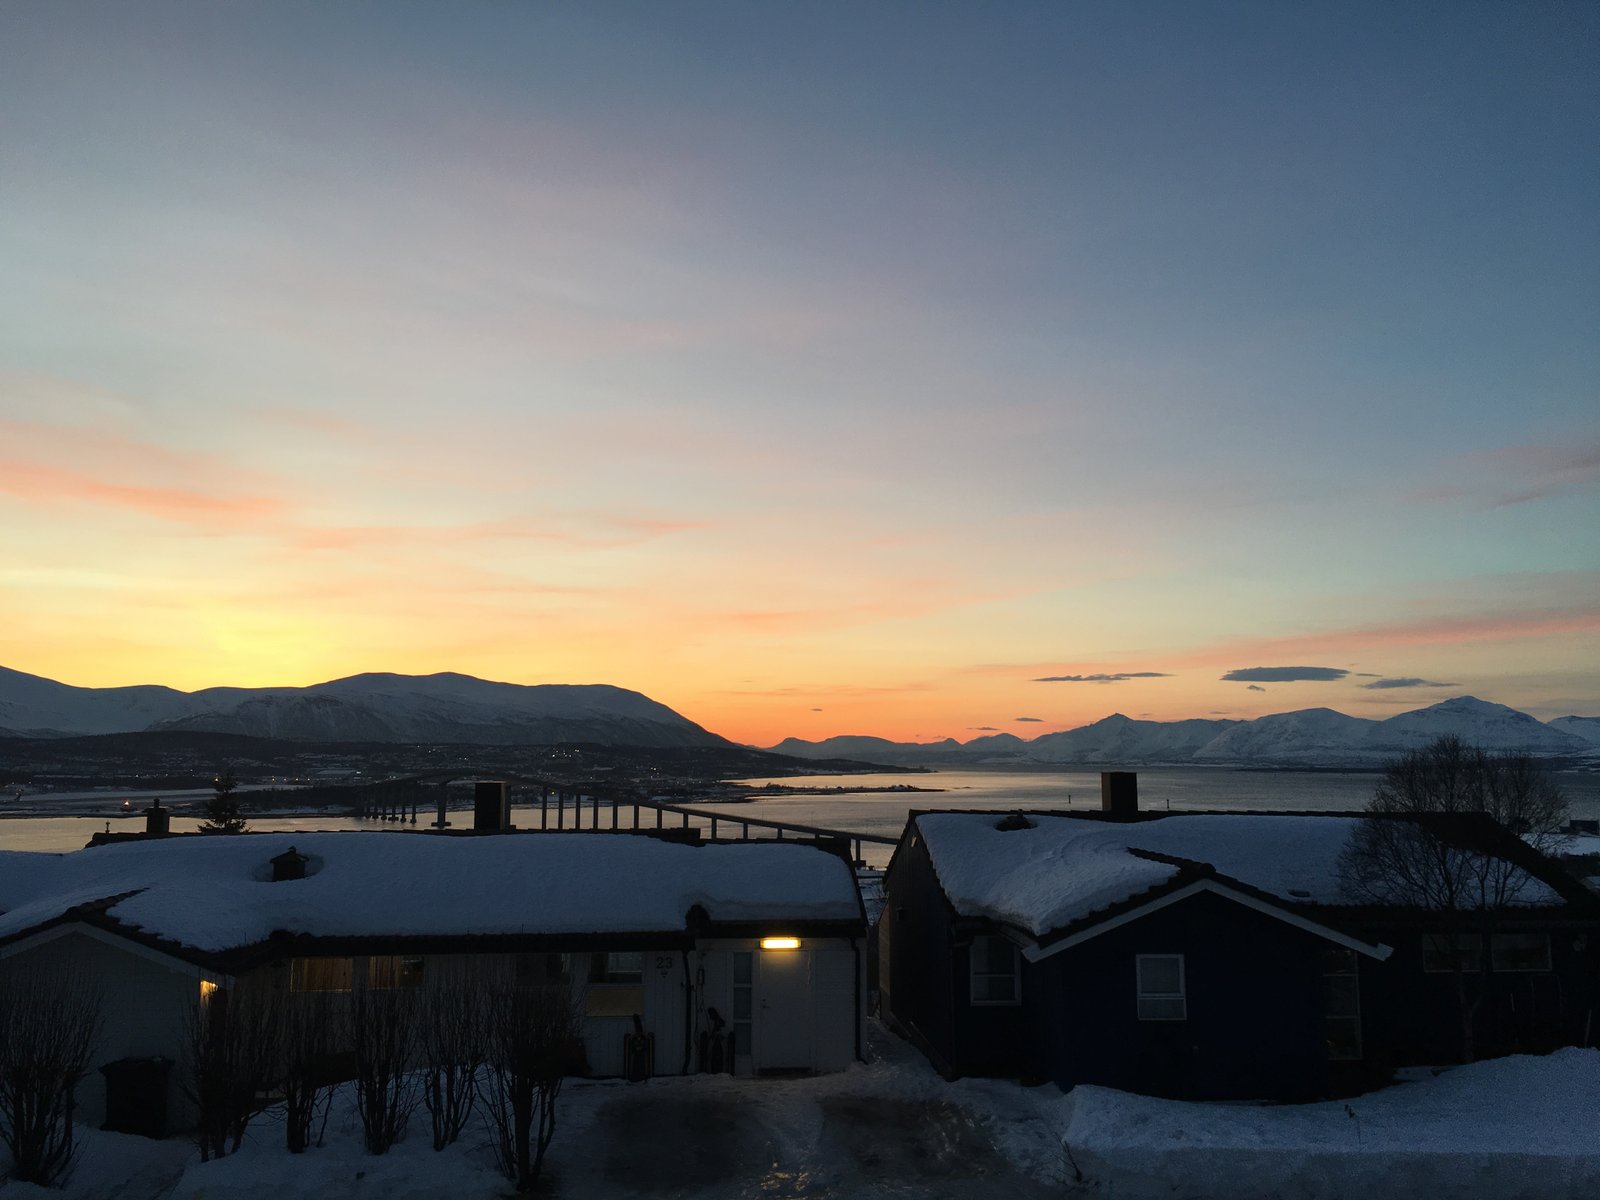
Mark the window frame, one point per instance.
(1496, 941)
(395, 972)
(974, 975)
(1140, 995)
(603, 969)
(1339, 962)
(1468, 953)
(300, 968)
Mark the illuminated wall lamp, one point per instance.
(780, 943)
(207, 990)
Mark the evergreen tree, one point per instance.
(222, 810)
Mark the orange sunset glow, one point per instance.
(588, 353)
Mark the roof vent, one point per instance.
(291, 864)
(1014, 822)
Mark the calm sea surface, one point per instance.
(881, 813)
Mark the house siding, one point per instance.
(917, 931)
(1412, 1017)
(1254, 1024)
(145, 1008)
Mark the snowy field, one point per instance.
(1513, 1128)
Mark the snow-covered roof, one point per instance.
(1067, 868)
(215, 893)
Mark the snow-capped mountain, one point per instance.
(377, 707)
(1118, 738)
(1492, 726)
(1310, 735)
(1313, 737)
(881, 750)
(1587, 728)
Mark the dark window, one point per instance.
(1161, 987)
(394, 971)
(1341, 1002)
(1520, 951)
(743, 995)
(994, 971)
(536, 970)
(1442, 953)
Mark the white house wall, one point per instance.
(146, 1007)
(831, 1011)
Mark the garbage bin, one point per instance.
(136, 1096)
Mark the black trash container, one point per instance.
(136, 1096)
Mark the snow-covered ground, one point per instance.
(1502, 1130)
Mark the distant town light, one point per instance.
(780, 943)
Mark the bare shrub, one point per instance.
(50, 1019)
(310, 1065)
(453, 1032)
(383, 1038)
(534, 1042)
(234, 1049)
(1422, 850)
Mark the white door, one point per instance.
(782, 1033)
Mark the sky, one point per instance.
(920, 370)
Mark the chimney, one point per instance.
(291, 864)
(491, 806)
(157, 820)
(1119, 794)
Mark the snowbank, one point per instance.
(1511, 1128)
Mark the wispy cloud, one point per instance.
(1406, 682)
(49, 485)
(1284, 674)
(1427, 631)
(1034, 720)
(1255, 688)
(1516, 475)
(1118, 677)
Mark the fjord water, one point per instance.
(882, 813)
(1160, 788)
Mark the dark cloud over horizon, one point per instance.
(1255, 688)
(1118, 677)
(1285, 674)
(984, 728)
(1036, 720)
(1406, 682)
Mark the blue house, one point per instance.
(1206, 955)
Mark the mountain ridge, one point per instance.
(446, 707)
(1313, 737)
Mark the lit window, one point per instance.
(995, 971)
(1160, 984)
(321, 974)
(617, 967)
(616, 984)
(1441, 953)
(394, 971)
(1520, 951)
(1341, 1003)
